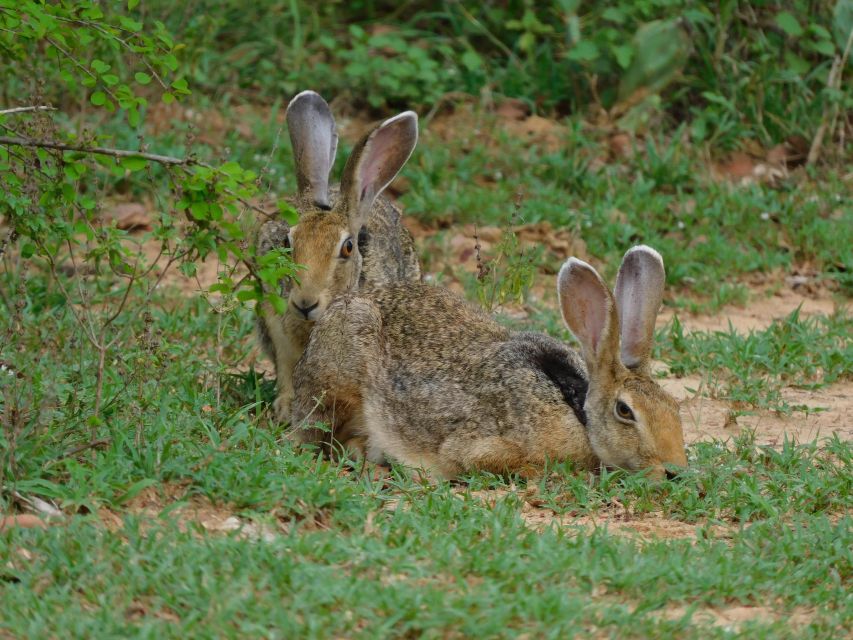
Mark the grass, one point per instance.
(710, 232)
(185, 420)
(351, 554)
(377, 568)
(753, 368)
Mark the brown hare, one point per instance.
(345, 237)
(421, 377)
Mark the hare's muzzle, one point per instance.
(305, 308)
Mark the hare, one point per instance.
(345, 237)
(423, 378)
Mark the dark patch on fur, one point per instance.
(571, 382)
(363, 239)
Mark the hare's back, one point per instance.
(387, 247)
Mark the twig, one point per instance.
(4, 112)
(73, 451)
(9, 239)
(37, 505)
(124, 153)
(102, 151)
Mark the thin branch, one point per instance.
(124, 153)
(52, 264)
(100, 442)
(80, 66)
(84, 302)
(4, 112)
(102, 151)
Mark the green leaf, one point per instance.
(131, 4)
(133, 118)
(110, 79)
(199, 210)
(142, 78)
(842, 25)
(130, 24)
(99, 98)
(288, 212)
(278, 303)
(134, 164)
(614, 15)
(789, 24)
(188, 269)
(623, 54)
(28, 250)
(167, 98)
(471, 60)
(99, 66)
(661, 48)
(180, 86)
(231, 169)
(583, 51)
(824, 46)
(170, 62)
(244, 295)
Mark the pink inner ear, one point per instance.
(594, 316)
(372, 173)
(584, 304)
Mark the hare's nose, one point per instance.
(305, 309)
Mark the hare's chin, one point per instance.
(316, 314)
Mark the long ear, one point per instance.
(588, 310)
(639, 291)
(374, 162)
(314, 140)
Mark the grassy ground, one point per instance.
(183, 512)
(314, 549)
(326, 551)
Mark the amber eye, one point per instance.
(346, 248)
(623, 411)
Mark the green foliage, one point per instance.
(56, 180)
(752, 368)
(52, 174)
(709, 232)
(110, 387)
(735, 70)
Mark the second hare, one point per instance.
(345, 237)
(426, 379)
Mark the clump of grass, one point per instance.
(752, 368)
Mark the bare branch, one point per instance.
(124, 153)
(4, 112)
(101, 151)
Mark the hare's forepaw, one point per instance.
(282, 407)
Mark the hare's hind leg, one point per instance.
(469, 452)
(342, 357)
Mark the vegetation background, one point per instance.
(147, 491)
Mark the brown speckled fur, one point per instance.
(384, 251)
(428, 380)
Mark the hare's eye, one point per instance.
(346, 248)
(623, 411)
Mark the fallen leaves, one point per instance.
(21, 521)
